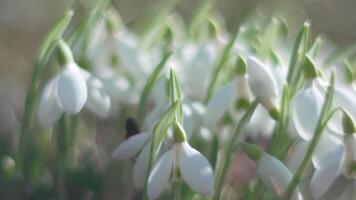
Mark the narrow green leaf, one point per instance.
(54, 35)
(221, 64)
(322, 122)
(298, 53)
(159, 132)
(43, 56)
(174, 93)
(230, 146)
(150, 83)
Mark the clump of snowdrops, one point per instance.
(185, 97)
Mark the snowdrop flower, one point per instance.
(306, 105)
(263, 85)
(70, 91)
(341, 160)
(273, 173)
(136, 143)
(193, 166)
(196, 64)
(49, 110)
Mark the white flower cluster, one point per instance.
(257, 69)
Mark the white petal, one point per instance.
(49, 110)
(329, 170)
(261, 123)
(297, 156)
(275, 175)
(306, 108)
(343, 97)
(326, 144)
(197, 71)
(141, 167)
(188, 123)
(160, 175)
(72, 90)
(131, 146)
(196, 169)
(262, 84)
(99, 101)
(219, 103)
(350, 154)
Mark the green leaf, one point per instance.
(149, 85)
(43, 56)
(230, 146)
(174, 93)
(322, 122)
(297, 57)
(54, 35)
(160, 131)
(161, 127)
(221, 64)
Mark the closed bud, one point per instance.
(348, 124)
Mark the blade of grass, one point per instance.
(322, 121)
(229, 148)
(220, 67)
(150, 83)
(43, 56)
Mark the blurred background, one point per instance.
(24, 23)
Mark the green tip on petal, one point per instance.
(275, 113)
(65, 55)
(240, 66)
(310, 71)
(348, 124)
(179, 134)
(253, 151)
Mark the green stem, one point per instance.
(177, 185)
(322, 122)
(42, 59)
(220, 66)
(229, 148)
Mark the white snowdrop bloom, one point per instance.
(140, 170)
(340, 160)
(219, 104)
(350, 156)
(305, 111)
(131, 147)
(343, 97)
(198, 72)
(195, 169)
(327, 143)
(49, 110)
(99, 101)
(273, 173)
(137, 144)
(329, 170)
(262, 84)
(72, 89)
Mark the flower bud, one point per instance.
(310, 71)
(253, 151)
(262, 84)
(348, 124)
(65, 55)
(240, 66)
(179, 135)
